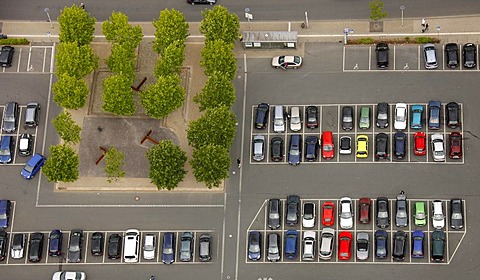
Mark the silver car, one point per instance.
(308, 246)
(149, 243)
(273, 253)
(186, 246)
(430, 56)
(438, 152)
(363, 244)
(401, 216)
(327, 239)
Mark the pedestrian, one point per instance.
(423, 22)
(426, 27)
(82, 5)
(239, 163)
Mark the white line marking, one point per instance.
(19, 59)
(44, 59)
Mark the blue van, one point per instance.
(417, 114)
(6, 149)
(291, 244)
(295, 152)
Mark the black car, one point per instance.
(456, 213)
(401, 213)
(381, 50)
(383, 217)
(274, 213)
(399, 145)
(381, 244)
(25, 144)
(10, 117)
(451, 54)
(469, 55)
(293, 202)
(345, 145)
(347, 118)
(453, 114)
(312, 116)
(75, 246)
(262, 115)
(276, 148)
(383, 111)
(114, 246)
(195, 2)
(399, 245)
(18, 244)
(205, 244)
(381, 146)
(35, 247)
(311, 148)
(3, 244)
(6, 56)
(437, 253)
(97, 243)
(55, 243)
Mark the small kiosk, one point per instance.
(269, 39)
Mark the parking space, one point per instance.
(32, 59)
(453, 237)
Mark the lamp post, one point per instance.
(46, 10)
(402, 8)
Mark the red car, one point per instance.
(328, 209)
(455, 139)
(419, 143)
(344, 245)
(328, 149)
(364, 210)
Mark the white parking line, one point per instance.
(19, 59)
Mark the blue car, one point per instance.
(5, 206)
(55, 243)
(434, 108)
(381, 244)
(6, 149)
(254, 245)
(295, 151)
(33, 166)
(168, 248)
(291, 244)
(417, 113)
(418, 238)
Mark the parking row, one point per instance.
(31, 59)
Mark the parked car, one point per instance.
(291, 244)
(401, 215)
(3, 244)
(438, 218)
(6, 56)
(195, 2)
(6, 149)
(25, 144)
(469, 55)
(364, 119)
(417, 116)
(381, 146)
(399, 145)
(131, 246)
(327, 240)
(55, 243)
(328, 147)
(5, 210)
(438, 152)
(383, 217)
(309, 215)
(453, 114)
(363, 244)
(273, 251)
(75, 246)
(32, 166)
(32, 114)
(418, 238)
(346, 213)
(35, 247)
(276, 149)
(347, 118)
(456, 213)
(381, 50)
(345, 145)
(293, 203)
(69, 275)
(311, 148)
(451, 55)
(261, 117)
(400, 122)
(96, 243)
(430, 56)
(258, 147)
(10, 117)
(420, 214)
(295, 151)
(383, 112)
(399, 245)
(18, 245)
(344, 245)
(274, 213)
(381, 244)
(362, 146)
(168, 248)
(434, 114)
(419, 143)
(205, 247)
(186, 246)
(278, 118)
(455, 140)
(309, 241)
(287, 61)
(328, 216)
(149, 246)
(437, 253)
(364, 210)
(295, 118)
(311, 115)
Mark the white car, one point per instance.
(308, 220)
(149, 243)
(295, 119)
(308, 246)
(438, 152)
(438, 218)
(346, 213)
(327, 239)
(287, 61)
(400, 122)
(69, 275)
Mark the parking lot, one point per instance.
(31, 59)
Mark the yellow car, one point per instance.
(362, 146)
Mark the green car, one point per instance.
(364, 120)
(420, 216)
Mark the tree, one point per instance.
(218, 91)
(117, 30)
(114, 161)
(216, 126)
(210, 165)
(66, 127)
(172, 59)
(376, 10)
(163, 97)
(170, 27)
(219, 24)
(70, 92)
(218, 56)
(167, 165)
(122, 61)
(74, 60)
(76, 26)
(62, 164)
(118, 96)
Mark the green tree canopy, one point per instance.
(62, 165)
(66, 127)
(218, 56)
(122, 61)
(70, 92)
(170, 27)
(74, 60)
(218, 91)
(172, 59)
(118, 95)
(114, 162)
(167, 165)
(376, 10)
(117, 30)
(210, 165)
(76, 26)
(216, 126)
(219, 24)
(163, 97)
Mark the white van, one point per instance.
(130, 252)
(278, 119)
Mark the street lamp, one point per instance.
(46, 10)
(402, 7)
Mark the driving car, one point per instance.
(168, 248)
(419, 215)
(400, 121)
(455, 140)
(6, 149)
(261, 117)
(430, 56)
(383, 218)
(437, 253)
(18, 245)
(6, 56)
(287, 61)
(399, 245)
(438, 152)
(364, 210)
(312, 117)
(35, 247)
(326, 243)
(32, 166)
(347, 118)
(381, 50)
(309, 215)
(362, 146)
(399, 145)
(344, 245)
(451, 55)
(419, 143)
(195, 2)
(456, 213)
(273, 251)
(417, 116)
(401, 215)
(345, 145)
(96, 243)
(274, 213)
(291, 244)
(25, 144)
(328, 148)
(55, 243)
(383, 111)
(311, 148)
(364, 119)
(10, 117)
(276, 148)
(205, 247)
(5, 210)
(69, 275)
(418, 238)
(363, 243)
(3, 244)
(258, 147)
(328, 216)
(381, 146)
(295, 151)
(293, 203)
(381, 244)
(453, 114)
(469, 52)
(434, 114)
(346, 213)
(308, 246)
(75, 246)
(438, 218)
(149, 246)
(186, 246)
(295, 118)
